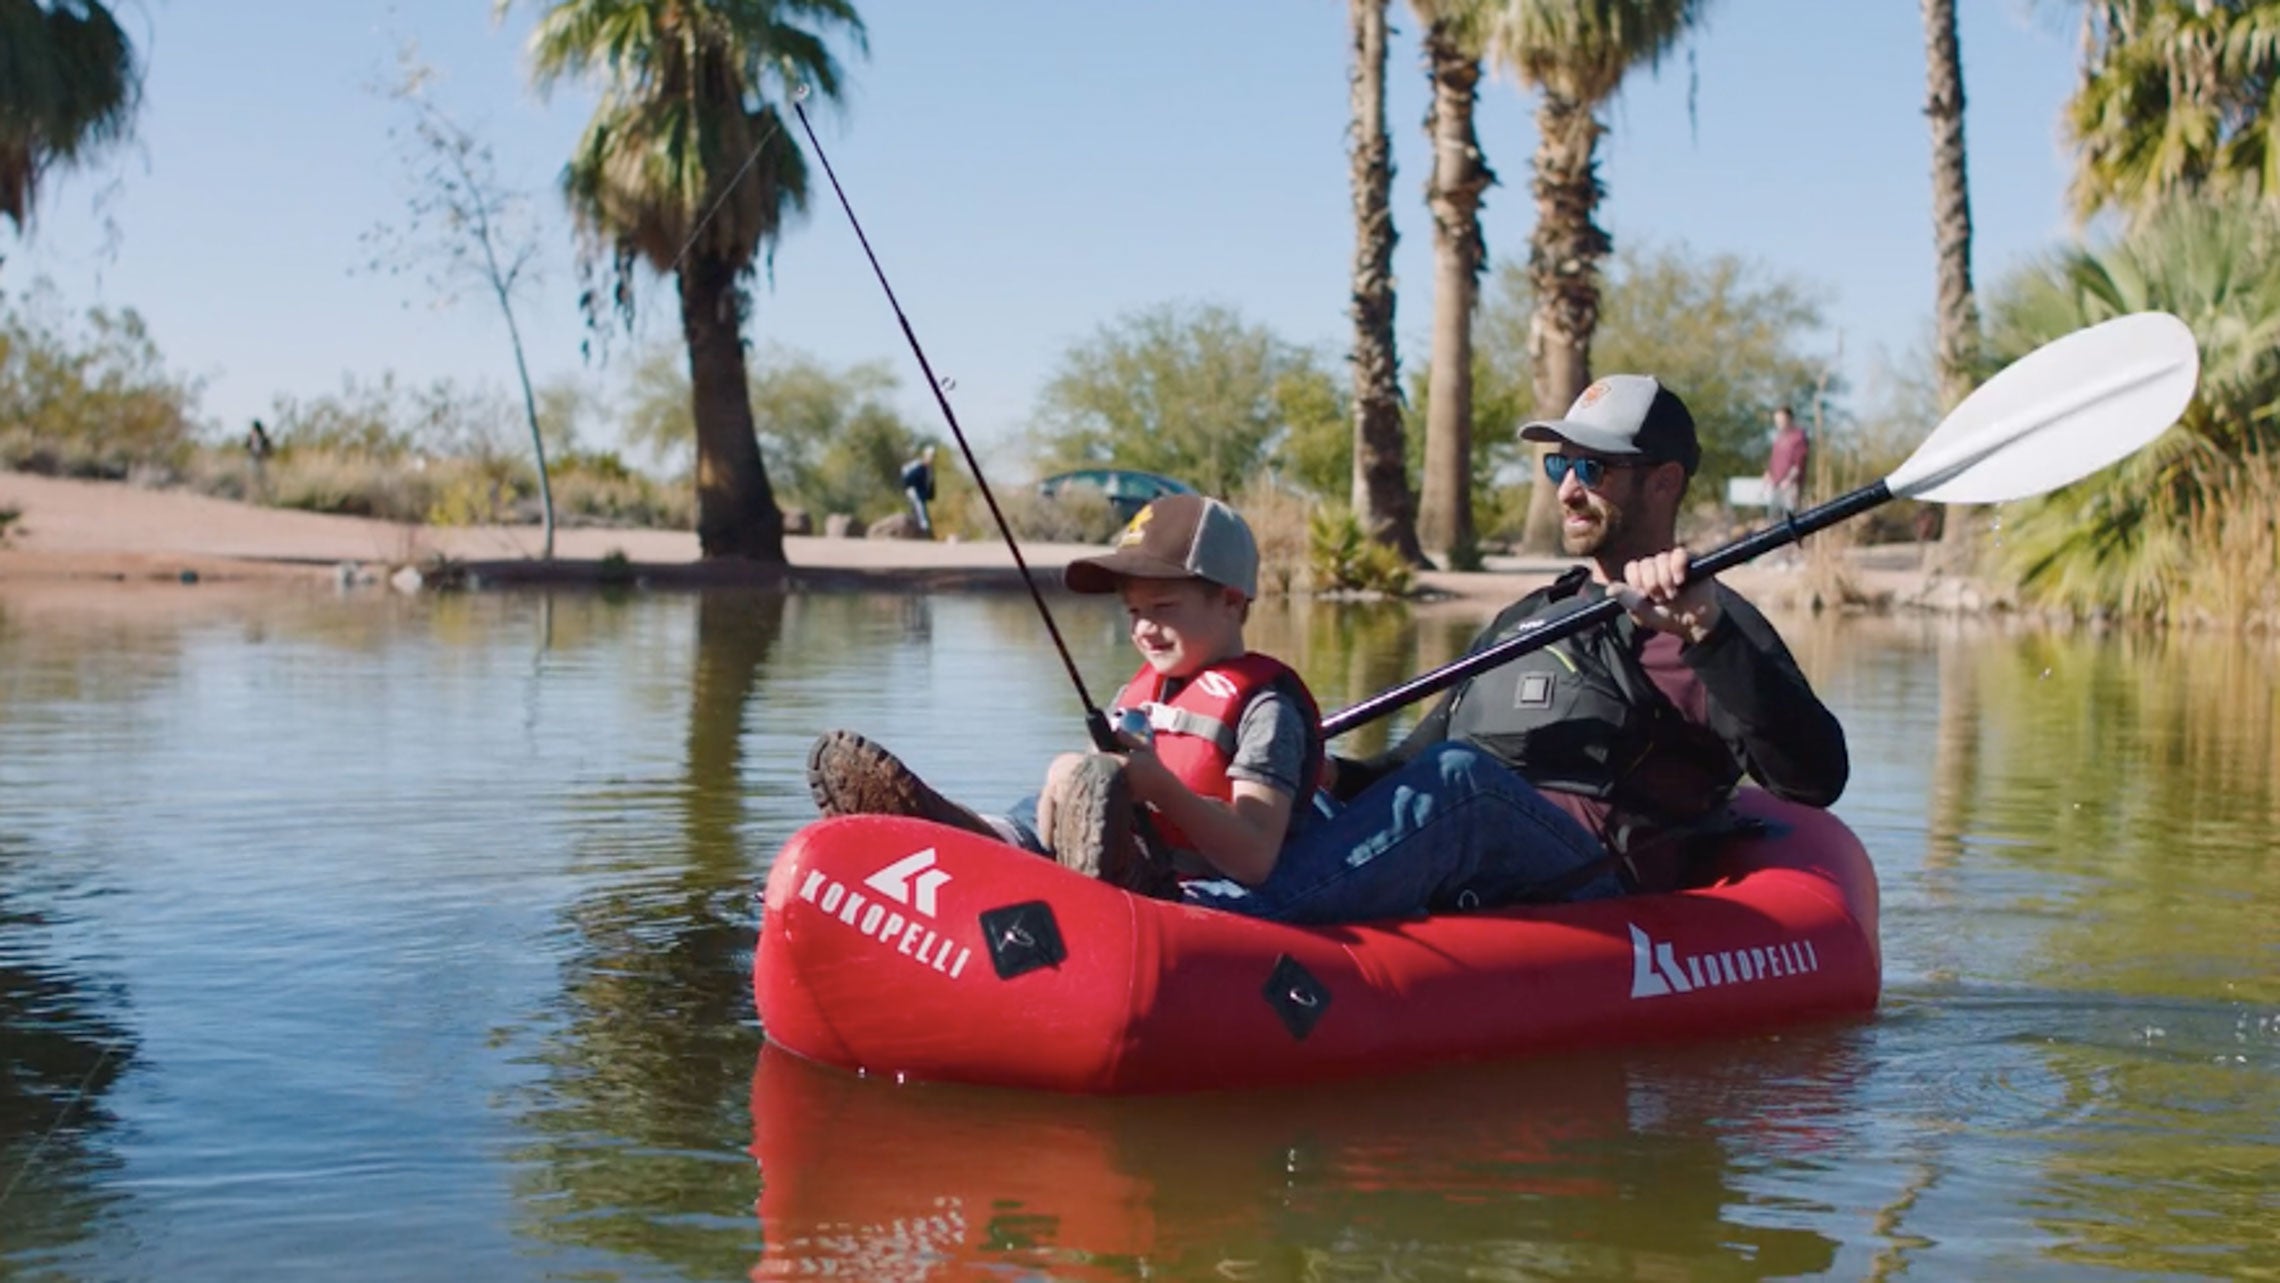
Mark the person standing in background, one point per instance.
(1785, 466)
(918, 487)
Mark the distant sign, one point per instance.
(1748, 492)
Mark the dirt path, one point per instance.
(96, 530)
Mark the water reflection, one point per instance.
(64, 1044)
(1649, 1166)
(656, 1024)
(2139, 777)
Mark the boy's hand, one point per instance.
(1151, 780)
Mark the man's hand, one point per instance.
(1655, 591)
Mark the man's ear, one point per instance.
(1668, 481)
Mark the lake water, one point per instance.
(398, 938)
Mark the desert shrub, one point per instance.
(1078, 514)
(598, 489)
(1277, 515)
(1341, 558)
(89, 397)
(351, 484)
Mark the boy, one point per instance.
(1236, 744)
(1229, 780)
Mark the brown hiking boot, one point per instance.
(1093, 832)
(850, 775)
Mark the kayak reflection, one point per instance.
(1667, 1164)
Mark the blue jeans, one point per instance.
(1453, 829)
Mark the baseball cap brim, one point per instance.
(1099, 574)
(1587, 435)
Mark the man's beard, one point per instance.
(1611, 531)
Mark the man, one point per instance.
(1640, 728)
(1785, 465)
(918, 487)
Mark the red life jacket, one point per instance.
(1195, 729)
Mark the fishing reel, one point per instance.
(1131, 727)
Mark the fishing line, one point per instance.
(726, 192)
(1096, 724)
(86, 1081)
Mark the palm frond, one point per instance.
(2179, 99)
(1582, 49)
(687, 151)
(2136, 538)
(69, 85)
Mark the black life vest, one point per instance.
(1582, 716)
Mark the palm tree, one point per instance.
(2178, 99)
(68, 86)
(1574, 54)
(1958, 326)
(1951, 204)
(686, 166)
(2189, 524)
(1454, 31)
(1381, 497)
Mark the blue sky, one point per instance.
(1027, 170)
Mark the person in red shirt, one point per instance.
(1785, 466)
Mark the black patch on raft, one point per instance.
(1297, 997)
(1022, 938)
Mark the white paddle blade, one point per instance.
(2058, 414)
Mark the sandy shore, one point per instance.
(107, 531)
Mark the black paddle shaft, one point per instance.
(1747, 548)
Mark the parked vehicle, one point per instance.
(1128, 490)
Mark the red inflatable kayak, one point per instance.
(895, 946)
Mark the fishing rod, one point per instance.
(1096, 722)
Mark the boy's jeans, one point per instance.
(1454, 829)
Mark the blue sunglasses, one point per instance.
(1589, 471)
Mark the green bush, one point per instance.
(1344, 559)
(91, 399)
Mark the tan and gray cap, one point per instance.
(1181, 536)
(1626, 414)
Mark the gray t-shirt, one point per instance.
(1270, 742)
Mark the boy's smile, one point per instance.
(1182, 626)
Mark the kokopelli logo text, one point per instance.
(1658, 969)
(912, 882)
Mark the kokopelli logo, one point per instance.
(911, 880)
(1657, 969)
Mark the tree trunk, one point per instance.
(537, 438)
(1951, 227)
(1563, 271)
(736, 508)
(1381, 497)
(1459, 177)
(1948, 817)
(736, 635)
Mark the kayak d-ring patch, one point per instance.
(1296, 996)
(1022, 938)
